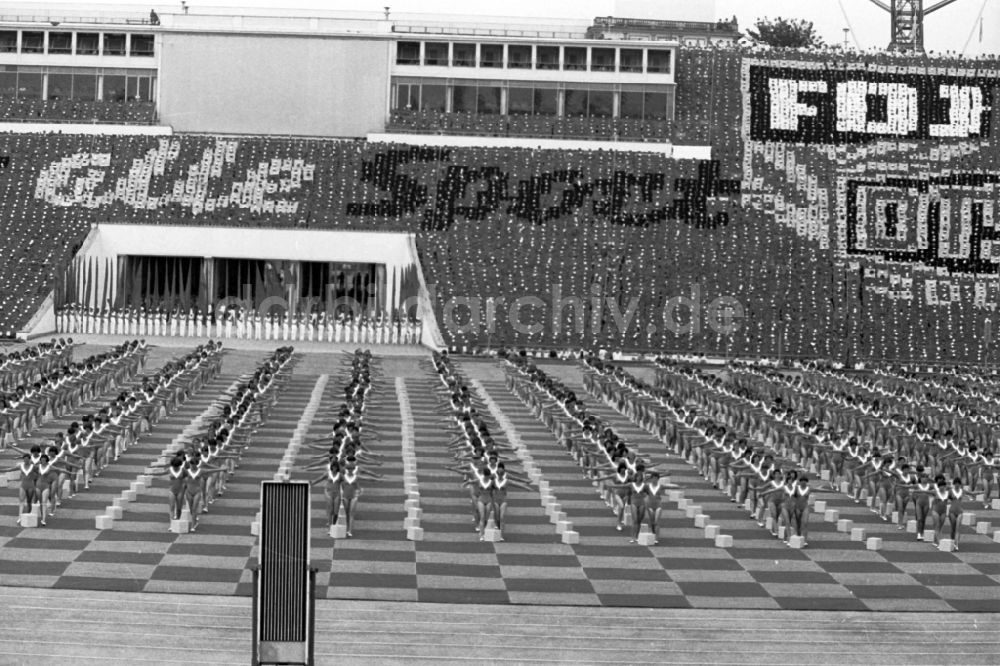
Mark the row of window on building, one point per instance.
(85, 84)
(535, 56)
(525, 98)
(77, 43)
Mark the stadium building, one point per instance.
(640, 185)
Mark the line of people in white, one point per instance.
(239, 324)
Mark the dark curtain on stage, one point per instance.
(168, 283)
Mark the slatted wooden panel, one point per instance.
(284, 562)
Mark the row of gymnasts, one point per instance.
(66, 387)
(916, 468)
(478, 457)
(197, 473)
(344, 449)
(85, 448)
(954, 450)
(889, 479)
(743, 469)
(633, 487)
(30, 364)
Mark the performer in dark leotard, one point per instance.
(921, 494)
(331, 480)
(177, 476)
(498, 495)
(653, 494)
(955, 510)
(350, 490)
(26, 494)
(939, 505)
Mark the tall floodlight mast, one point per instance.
(908, 22)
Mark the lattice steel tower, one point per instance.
(908, 22)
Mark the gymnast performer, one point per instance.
(498, 495)
(651, 502)
(331, 479)
(797, 512)
(956, 494)
(619, 491)
(939, 505)
(27, 492)
(921, 493)
(350, 490)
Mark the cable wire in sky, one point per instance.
(979, 18)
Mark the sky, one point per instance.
(948, 29)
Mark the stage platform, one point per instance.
(532, 568)
(115, 628)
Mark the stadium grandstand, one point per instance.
(624, 314)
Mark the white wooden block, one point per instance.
(874, 543)
(701, 520)
(104, 522)
(748, 504)
(995, 505)
(781, 532)
(983, 527)
(646, 539)
(895, 517)
(768, 523)
(563, 526)
(911, 526)
(825, 475)
(415, 512)
(67, 488)
(570, 537)
(968, 518)
(845, 488)
(796, 542)
(675, 495)
(712, 531)
(996, 536)
(692, 510)
(556, 517)
(338, 531)
(831, 515)
(946, 545)
(411, 504)
(682, 503)
(870, 501)
(180, 526)
(845, 525)
(724, 541)
(820, 506)
(186, 514)
(415, 533)
(929, 536)
(857, 534)
(410, 522)
(491, 534)
(255, 528)
(137, 487)
(115, 512)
